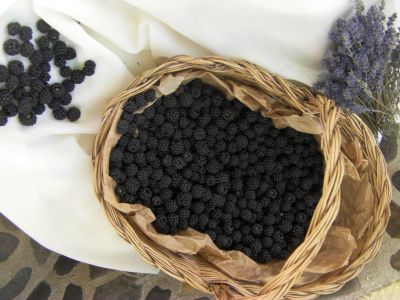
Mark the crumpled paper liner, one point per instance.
(340, 241)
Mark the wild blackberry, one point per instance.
(24, 106)
(89, 68)
(185, 99)
(298, 231)
(12, 83)
(25, 33)
(167, 129)
(59, 113)
(28, 119)
(11, 47)
(15, 67)
(3, 119)
(77, 76)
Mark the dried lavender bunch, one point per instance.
(362, 67)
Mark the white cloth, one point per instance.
(45, 171)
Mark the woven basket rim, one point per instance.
(337, 123)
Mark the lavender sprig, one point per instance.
(362, 67)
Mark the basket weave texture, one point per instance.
(337, 125)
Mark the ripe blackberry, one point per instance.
(165, 181)
(10, 110)
(167, 129)
(13, 28)
(145, 193)
(185, 99)
(3, 73)
(246, 215)
(12, 83)
(161, 224)
(172, 115)
(257, 229)
(77, 76)
(36, 58)
(11, 47)
(28, 119)
(169, 101)
(25, 33)
(53, 35)
(117, 175)
(15, 67)
(285, 226)
(272, 193)
(68, 85)
(177, 147)
(59, 113)
(3, 119)
(203, 221)
(24, 106)
(298, 231)
(60, 62)
(70, 53)
(73, 114)
(89, 68)
(132, 185)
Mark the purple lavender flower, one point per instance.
(362, 48)
(362, 65)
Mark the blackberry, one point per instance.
(128, 158)
(65, 71)
(11, 47)
(250, 195)
(199, 133)
(169, 101)
(145, 194)
(89, 69)
(173, 220)
(15, 67)
(57, 89)
(132, 185)
(60, 62)
(25, 33)
(285, 226)
(73, 114)
(246, 215)
(256, 246)
(117, 175)
(3, 119)
(68, 85)
(47, 55)
(203, 221)
(59, 113)
(12, 83)
(177, 147)
(161, 224)
(264, 256)
(36, 58)
(26, 49)
(298, 231)
(53, 35)
(45, 96)
(172, 115)
(13, 28)
(167, 129)
(43, 42)
(185, 99)
(10, 110)
(77, 76)
(272, 193)
(24, 107)
(268, 231)
(257, 229)
(165, 181)
(3, 73)
(213, 167)
(70, 54)
(28, 119)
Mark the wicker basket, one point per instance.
(206, 277)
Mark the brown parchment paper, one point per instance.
(341, 240)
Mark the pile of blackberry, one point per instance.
(25, 90)
(201, 161)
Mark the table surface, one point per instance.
(33, 271)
